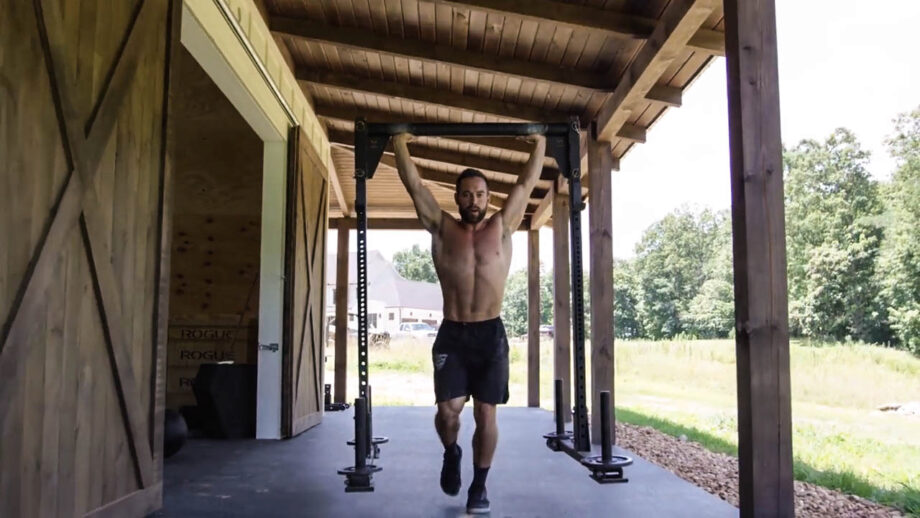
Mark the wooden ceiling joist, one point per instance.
(361, 39)
(394, 223)
(577, 17)
(450, 178)
(708, 41)
(680, 21)
(580, 17)
(346, 207)
(438, 154)
(350, 113)
(665, 95)
(509, 111)
(543, 212)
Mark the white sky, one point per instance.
(858, 69)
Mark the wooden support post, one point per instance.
(600, 167)
(341, 311)
(758, 230)
(562, 308)
(533, 318)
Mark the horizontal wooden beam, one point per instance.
(576, 17)
(667, 95)
(708, 41)
(680, 21)
(439, 154)
(510, 111)
(350, 113)
(632, 133)
(581, 17)
(450, 178)
(393, 223)
(337, 190)
(543, 212)
(362, 39)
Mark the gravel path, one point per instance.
(720, 477)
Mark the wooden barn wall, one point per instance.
(82, 129)
(214, 288)
(305, 305)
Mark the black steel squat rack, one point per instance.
(562, 144)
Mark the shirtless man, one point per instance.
(470, 354)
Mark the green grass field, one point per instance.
(840, 439)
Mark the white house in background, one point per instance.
(391, 299)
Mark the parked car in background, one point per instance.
(417, 330)
(546, 330)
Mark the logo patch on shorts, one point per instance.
(439, 361)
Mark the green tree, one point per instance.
(514, 304)
(833, 237)
(415, 264)
(900, 257)
(711, 313)
(670, 267)
(625, 299)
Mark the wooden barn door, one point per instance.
(305, 286)
(82, 215)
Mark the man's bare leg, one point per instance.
(447, 423)
(484, 440)
(447, 420)
(486, 436)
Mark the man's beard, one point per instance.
(468, 216)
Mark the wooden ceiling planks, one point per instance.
(491, 61)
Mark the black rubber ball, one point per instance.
(174, 434)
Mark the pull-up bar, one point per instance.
(561, 139)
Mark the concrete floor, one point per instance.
(298, 477)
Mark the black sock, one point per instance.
(479, 478)
(453, 450)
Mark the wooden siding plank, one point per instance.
(51, 406)
(75, 290)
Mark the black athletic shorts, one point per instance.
(471, 359)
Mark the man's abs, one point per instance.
(472, 268)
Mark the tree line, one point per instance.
(852, 253)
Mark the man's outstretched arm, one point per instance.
(429, 213)
(513, 211)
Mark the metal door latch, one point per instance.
(269, 347)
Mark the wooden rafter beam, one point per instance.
(450, 178)
(629, 131)
(581, 17)
(577, 17)
(447, 177)
(543, 211)
(347, 210)
(438, 154)
(394, 223)
(510, 111)
(708, 41)
(361, 39)
(350, 113)
(666, 95)
(680, 21)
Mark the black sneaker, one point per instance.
(450, 472)
(477, 503)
